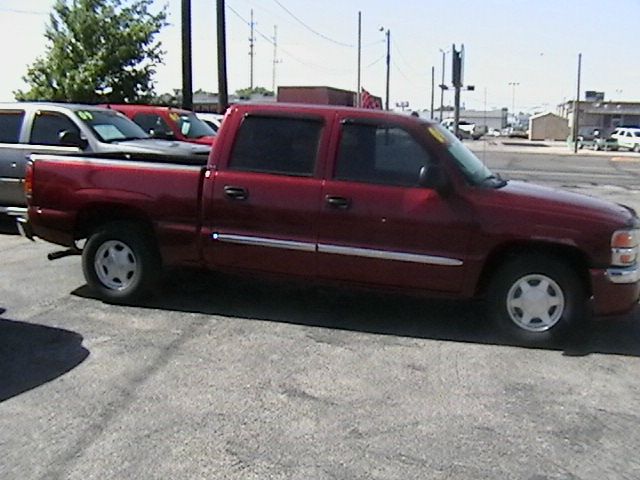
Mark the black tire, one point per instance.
(636, 148)
(555, 305)
(120, 262)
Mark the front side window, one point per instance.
(286, 146)
(10, 124)
(473, 169)
(153, 124)
(380, 154)
(191, 126)
(48, 126)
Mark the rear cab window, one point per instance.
(10, 125)
(277, 145)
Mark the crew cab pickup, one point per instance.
(338, 194)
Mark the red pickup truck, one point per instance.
(355, 196)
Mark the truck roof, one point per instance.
(304, 108)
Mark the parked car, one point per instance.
(628, 137)
(592, 138)
(371, 198)
(168, 123)
(58, 128)
(214, 120)
(466, 130)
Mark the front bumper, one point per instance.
(616, 291)
(624, 275)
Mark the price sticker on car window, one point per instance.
(85, 115)
(438, 135)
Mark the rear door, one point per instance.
(12, 157)
(377, 225)
(264, 203)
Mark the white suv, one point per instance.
(628, 137)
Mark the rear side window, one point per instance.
(285, 146)
(381, 154)
(47, 127)
(10, 124)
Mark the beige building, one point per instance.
(548, 126)
(605, 116)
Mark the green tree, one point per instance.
(97, 51)
(247, 92)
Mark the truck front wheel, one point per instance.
(537, 299)
(120, 262)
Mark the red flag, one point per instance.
(369, 101)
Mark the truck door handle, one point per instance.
(236, 193)
(337, 202)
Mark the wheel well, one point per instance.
(91, 218)
(561, 253)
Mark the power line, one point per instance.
(384, 55)
(315, 32)
(23, 12)
(293, 57)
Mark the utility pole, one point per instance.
(187, 82)
(576, 108)
(433, 86)
(275, 57)
(223, 95)
(359, 87)
(457, 64)
(252, 40)
(443, 87)
(386, 102)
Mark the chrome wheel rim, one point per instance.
(535, 303)
(115, 265)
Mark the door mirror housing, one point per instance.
(162, 135)
(433, 176)
(69, 138)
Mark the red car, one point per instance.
(168, 123)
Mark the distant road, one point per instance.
(562, 169)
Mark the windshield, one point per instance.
(473, 169)
(111, 126)
(191, 126)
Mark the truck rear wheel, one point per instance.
(120, 262)
(537, 299)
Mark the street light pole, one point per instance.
(359, 88)
(444, 53)
(386, 102)
(513, 97)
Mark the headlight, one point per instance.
(624, 247)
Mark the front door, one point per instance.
(378, 226)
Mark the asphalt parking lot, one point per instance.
(237, 378)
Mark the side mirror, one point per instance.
(162, 135)
(69, 138)
(433, 176)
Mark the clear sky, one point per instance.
(534, 44)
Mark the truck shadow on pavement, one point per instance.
(8, 225)
(363, 311)
(32, 355)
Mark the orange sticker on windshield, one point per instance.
(437, 134)
(174, 116)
